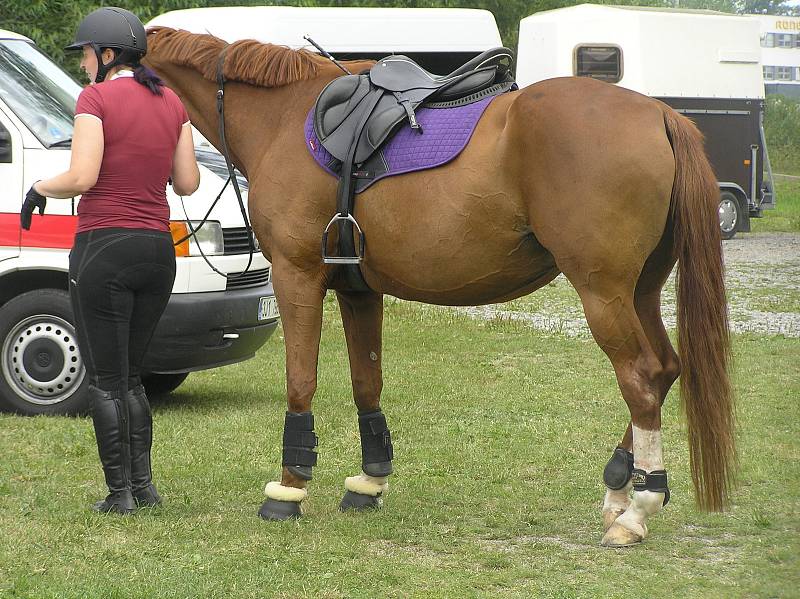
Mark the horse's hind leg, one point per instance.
(617, 478)
(362, 317)
(647, 301)
(608, 301)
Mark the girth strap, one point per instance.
(406, 104)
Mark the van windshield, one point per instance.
(38, 91)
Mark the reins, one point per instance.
(231, 179)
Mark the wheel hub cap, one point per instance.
(727, 215)
(41, 360)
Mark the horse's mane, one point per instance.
(248, 61)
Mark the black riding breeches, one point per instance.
(120, 283)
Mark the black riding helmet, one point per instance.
(114, 28)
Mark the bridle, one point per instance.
(231, 179)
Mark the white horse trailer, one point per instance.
(704, 64)
(440, 39)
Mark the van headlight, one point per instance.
(207, 238)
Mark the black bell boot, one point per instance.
(144, 492)
(110, 417)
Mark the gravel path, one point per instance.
(763, 281)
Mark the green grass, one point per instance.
(786, 215)
(785, 159)
(500, 435)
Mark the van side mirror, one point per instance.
(5, 145)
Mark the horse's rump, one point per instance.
(553, 174)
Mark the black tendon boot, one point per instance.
(141, 419)
(110, 418)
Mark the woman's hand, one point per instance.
(33, 200)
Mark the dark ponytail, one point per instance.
(141, 73)
(149, 79)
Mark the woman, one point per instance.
(131, 135)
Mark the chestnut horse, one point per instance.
(569, 175)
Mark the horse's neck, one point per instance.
(255, 116)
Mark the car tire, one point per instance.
(41, 368)
(162, 384)
(730, 214)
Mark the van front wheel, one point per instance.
(42, 371)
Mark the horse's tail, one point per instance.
(703, 334)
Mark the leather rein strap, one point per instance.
(231, 179)
(226, 154)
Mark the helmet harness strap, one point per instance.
(121, 57)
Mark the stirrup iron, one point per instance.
(327, 259)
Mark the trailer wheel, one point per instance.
(42, 371)
(730, 214)
(162, 384)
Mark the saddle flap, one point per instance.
(338, 112)
(338, 101)
(386, 117)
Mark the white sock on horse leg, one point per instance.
(647, 457)
(619, 499)
(647, 449)
(364, 484)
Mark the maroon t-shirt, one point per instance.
(140, 131)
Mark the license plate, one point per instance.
(267, 308)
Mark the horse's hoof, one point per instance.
(360, 502)
(619, 536)
(609, 517)
(272, 509)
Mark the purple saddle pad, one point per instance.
(446, 132)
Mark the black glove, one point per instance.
(33, 199)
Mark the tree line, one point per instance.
(52, 23)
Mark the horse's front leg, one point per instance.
(362, 317)
(300, 296)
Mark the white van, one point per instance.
(211, 319)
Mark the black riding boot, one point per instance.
(110, 417)
(144, 492)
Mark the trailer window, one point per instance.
(598, 62)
